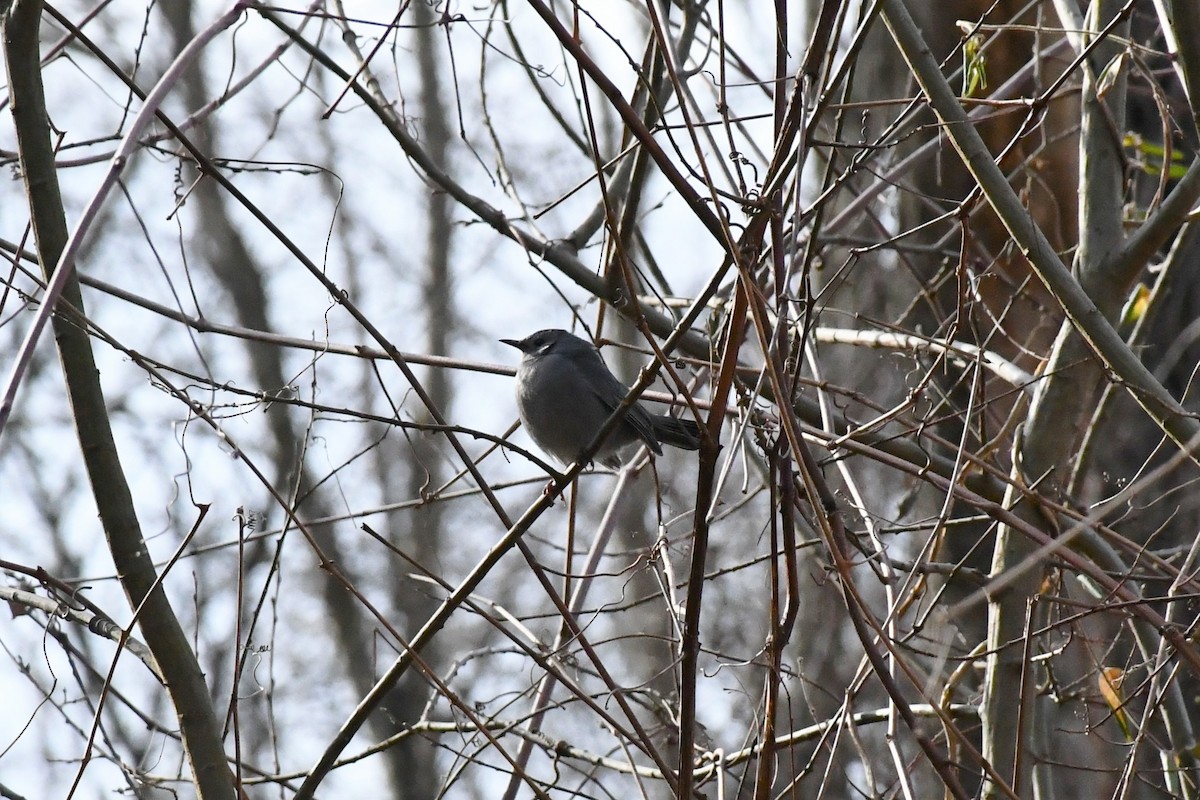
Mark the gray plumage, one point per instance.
(565, 393)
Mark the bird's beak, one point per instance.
(513, 343)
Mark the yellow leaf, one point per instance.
(974, 65)
(1109, 680)
(1136, 305)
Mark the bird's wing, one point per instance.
(609, 392)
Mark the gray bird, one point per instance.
(565, 393)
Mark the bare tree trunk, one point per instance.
(240, 273)
(422, 530)
(166, 638)
(1058, 413)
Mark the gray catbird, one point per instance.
(565, 393)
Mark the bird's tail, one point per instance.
(677, 432)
